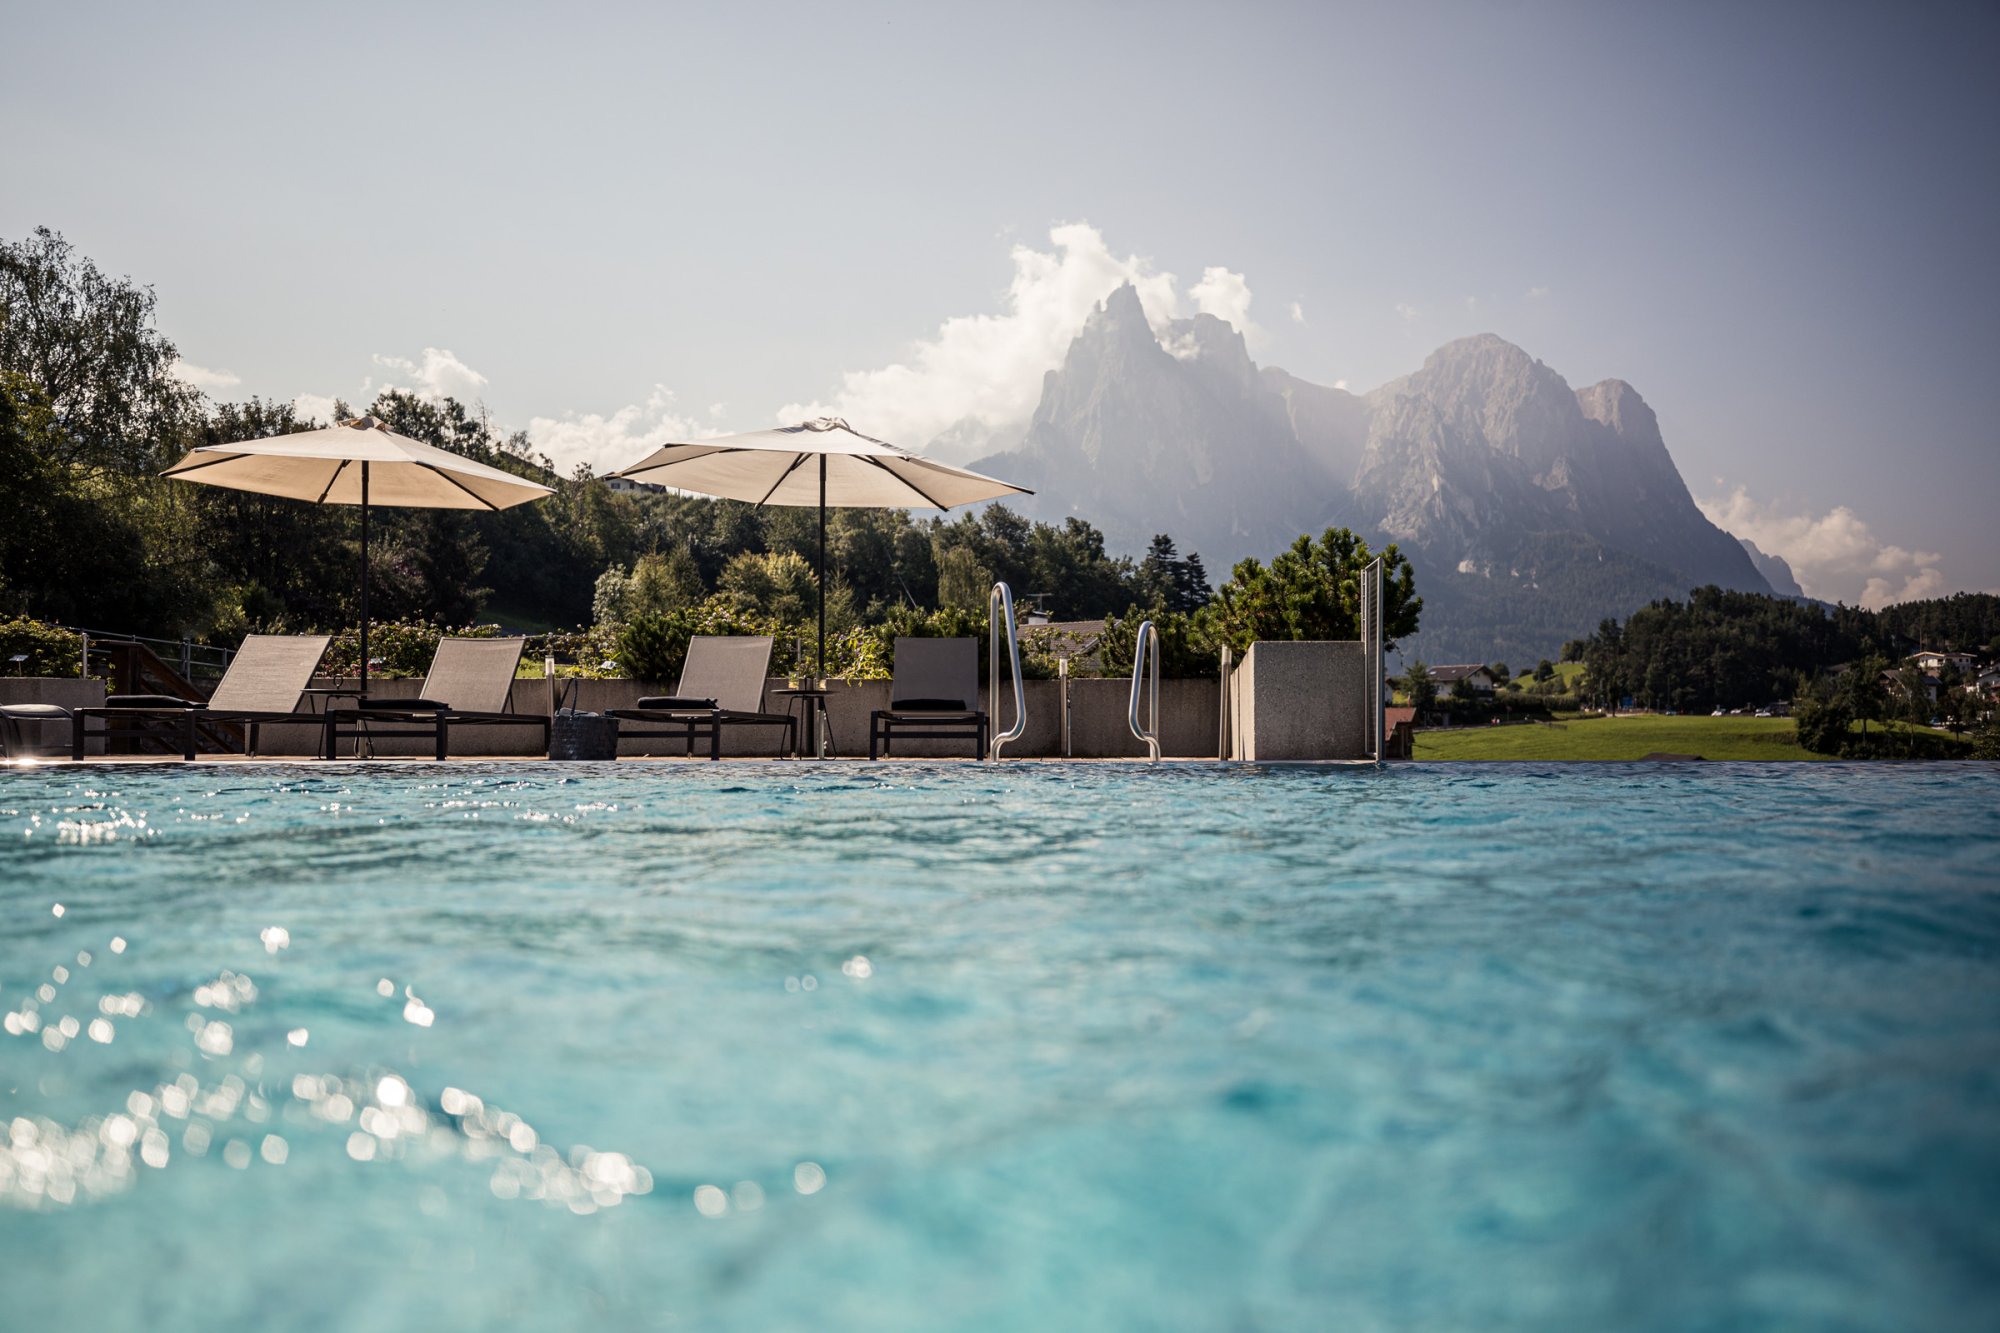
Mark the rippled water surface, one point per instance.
(1022, 1046)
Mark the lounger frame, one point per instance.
(268, 669)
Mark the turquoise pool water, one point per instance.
(1026, 1046)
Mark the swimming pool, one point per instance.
(1000, 1046)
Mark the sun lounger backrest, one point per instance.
(269, 673)
(728, 669)
(937, 670)
(473, 675)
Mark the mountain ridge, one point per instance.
(1505, 487)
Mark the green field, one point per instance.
(1637, 737)
(1620, 738)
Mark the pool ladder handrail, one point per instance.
(1000, 605)
(1148, 638)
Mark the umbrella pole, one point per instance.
(822, 566)
(364, 582)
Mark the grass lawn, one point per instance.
(1637, 737)
(1620, 738)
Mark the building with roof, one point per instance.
(1474, 678)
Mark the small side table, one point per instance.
(813, 704)
(325, 695)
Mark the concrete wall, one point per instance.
(1304, 700)
(1188, 721)
(53, 739)
(1289, 701)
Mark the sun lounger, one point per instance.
(722, 685)
(934, 696)
(265, 681)
(470, 684)
(13, 741)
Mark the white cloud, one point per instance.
(204, 379)
(439, 374)
(609, 442)
(1836, 556)
(1472, 303)
(1226, 296)
(1340, 385)
(1406, 312)
(981, 375)
(435, 375)
(1298, 313)
(315, 407)
(1537, 293)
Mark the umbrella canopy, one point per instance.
(327, 466)
(780, 467)
(815, 463)
(359, 462)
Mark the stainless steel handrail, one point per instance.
(1062, 677)
(1372, 666)
(1148, 637)
(999, 604)
(1222, 736)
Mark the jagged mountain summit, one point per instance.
(1141, 439)
(1530, 509)
(1775, 570)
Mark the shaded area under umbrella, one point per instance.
(824, 462)
(358, 462)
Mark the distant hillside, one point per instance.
(1530, 510)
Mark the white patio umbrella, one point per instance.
(821, 462)
(358, 462)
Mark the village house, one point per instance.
(1932, 662)
(1475, 678)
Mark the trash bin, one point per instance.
(574, 735)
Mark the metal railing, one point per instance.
(194, 660)
(999, 605)
(1144, 651)
(1374, 720)
(1062, 679)
(1222, 736)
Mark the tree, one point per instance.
(1604, 681)
(1501, 673)
(1858, 692)
(1821, 718)
(1417, 683)
(1168, 583)
(963, 583)
(1545, 670)
(1312, 591)
(781, 586)
(1958, 700)
(87, 344)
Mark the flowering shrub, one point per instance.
(396, 647)
(51, 650)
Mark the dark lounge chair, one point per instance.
(935, 696)
(263, 685)
(722, 685)
(13, 741)
(470, 684)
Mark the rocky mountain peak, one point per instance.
(1531, 509)
(1616, 404)
(1119, 316)
(1217, 348)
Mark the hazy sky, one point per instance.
(616, 223)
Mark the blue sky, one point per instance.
(615, 223)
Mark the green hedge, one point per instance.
(51, 650)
